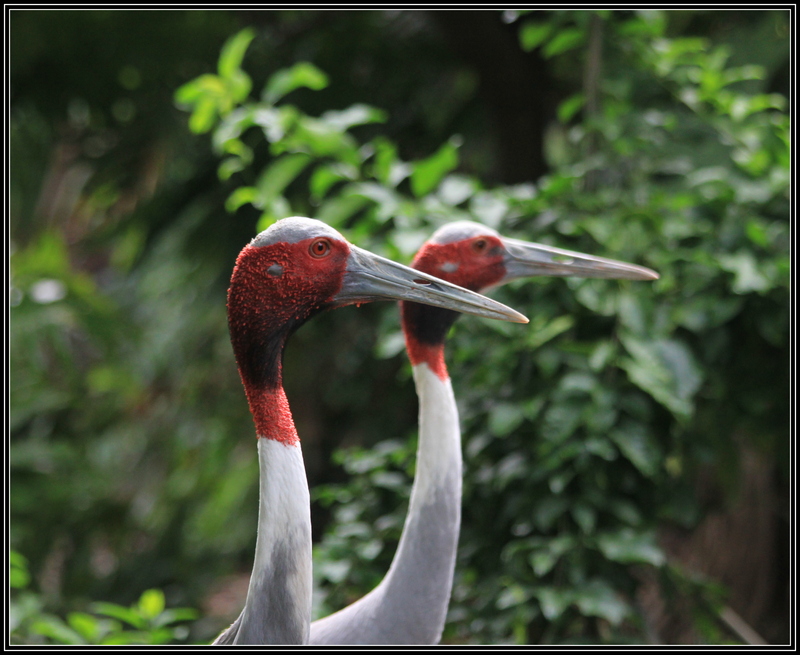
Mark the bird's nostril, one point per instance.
(562, 259)
(421, 281)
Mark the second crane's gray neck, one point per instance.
(409, 606)
(278, 607)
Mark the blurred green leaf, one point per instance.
(55, 629)
(597, 598)
(125, 614)
(532, 35)
(230, 59)
(357, 114)
(513, 595)
(747, 276)
(303, 74)
(276, 177)
(628, 547)
(242, 196)
(85, 625)
(504, 418)
(570, 107)
(664, 368)
(638, 446)
(428, 173)
(151, 603)
(167, 616)
(553, 601)
(563, 41)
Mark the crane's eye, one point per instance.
(479, 245)
(319, 248)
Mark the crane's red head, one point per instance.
(282, 277)
(467, 254)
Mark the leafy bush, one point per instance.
(151, 622)
(582, 431)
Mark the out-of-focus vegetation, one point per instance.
(598, 440)
(144, 622)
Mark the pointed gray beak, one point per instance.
(370, 277)
(525, 259)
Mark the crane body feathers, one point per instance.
(281, 583)
(409, 606)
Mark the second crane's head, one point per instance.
(476, 257)
(299, 267)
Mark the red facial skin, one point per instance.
(474, 264)
(274, 289)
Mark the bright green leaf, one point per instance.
(118, 612)
(151, 603)
(230, 59)
(357, 114)
(241, 196)
(86, 625)
(567, 39)
(175, 615)
(55, 629)
(280, 174)
(570, 107)
(426, 174)
(532, 35)
(287, 80)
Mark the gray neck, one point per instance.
(278, 606)
(409, 606)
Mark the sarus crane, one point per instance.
(409, 606)
(284, 276)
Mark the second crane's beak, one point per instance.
(370, 277)
(525, 259)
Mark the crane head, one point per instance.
(477, 257)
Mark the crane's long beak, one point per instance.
(370, 277)
(525, 259)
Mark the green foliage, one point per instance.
(130, 437)
(214, 96)
(145, 622)
(584, 439)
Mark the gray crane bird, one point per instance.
(283, 277)
(409, 606)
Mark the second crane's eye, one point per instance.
(479, 245)
(319, 248)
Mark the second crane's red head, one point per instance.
(467, 254)
(477, 257)
(464, 253)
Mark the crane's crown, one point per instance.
(460, 230)
(293, 230)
